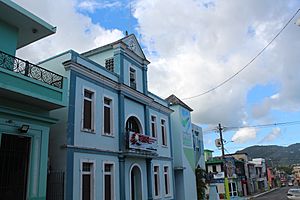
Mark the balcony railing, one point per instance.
(28, 69)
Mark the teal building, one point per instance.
(27, 95)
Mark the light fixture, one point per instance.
(24, 128)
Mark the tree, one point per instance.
(200, 181)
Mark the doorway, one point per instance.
(14, 164)
(136, 183)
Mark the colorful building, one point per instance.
(187, 143)
(198, 146)
(28, 93)
(114, 137)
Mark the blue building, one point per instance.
(114, 138)
(187, 147)
(28, 93)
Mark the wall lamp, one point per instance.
(24, 128)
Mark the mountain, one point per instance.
(275, 155)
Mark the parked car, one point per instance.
(293, 193)
(283, 184)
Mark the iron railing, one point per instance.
(30, 70)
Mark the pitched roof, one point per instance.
(173, 100)
(123, 40)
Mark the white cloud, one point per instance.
(275, 133)
(243, 135)
(92, 5)
(194, 46)
(74, 30)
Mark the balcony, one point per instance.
(29, 83)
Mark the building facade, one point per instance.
(114, 139)
(187, 143)
(27, 95)
(198, 146)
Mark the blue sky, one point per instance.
(193, 45)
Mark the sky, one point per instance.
(194, 45)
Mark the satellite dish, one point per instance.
(218, 142)
(298, 22)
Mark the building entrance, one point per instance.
(14, 165)
(136, 183)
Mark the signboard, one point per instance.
(219, 175)
(230, 167)
(185, 119)
(142, 142)
(217, 181)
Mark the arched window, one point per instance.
(134, 125)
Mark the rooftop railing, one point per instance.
(28, 69)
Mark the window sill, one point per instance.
(108, 135)
(92, 131)
(164, 146)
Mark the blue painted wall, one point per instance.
(95, 139)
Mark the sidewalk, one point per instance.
(260, 194)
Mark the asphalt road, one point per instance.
(279, 194)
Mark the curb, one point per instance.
(260, 194)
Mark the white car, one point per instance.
(293, 193)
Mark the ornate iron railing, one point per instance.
(30, 70)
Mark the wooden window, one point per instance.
(107, 116)
(156, 181)
(153, 126)
(108, 181)
(214, 168)
(166, 180)
(87, 181)
(163, 132)
(88, 110)
(132, 78)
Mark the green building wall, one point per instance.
(8, 38)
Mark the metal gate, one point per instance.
(14, 162)
(55, 185)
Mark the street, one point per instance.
(279, 194)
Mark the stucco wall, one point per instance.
(8, 38)
(95, 139)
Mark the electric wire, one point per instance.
(228, 128)
(251, 61)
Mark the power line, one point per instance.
(251, 61)
(228, 128)
(290, 123)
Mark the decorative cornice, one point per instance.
(115, 85)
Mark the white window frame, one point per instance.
(142, 181)
(168, 180)
(231, 192)
(155, 125)
(158, 177)
(135, 81)
(113, 178)
(165, 132)
(93, 180)
(111, 115)
(92, 130)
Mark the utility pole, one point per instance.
(224, 165)
(222, 144)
